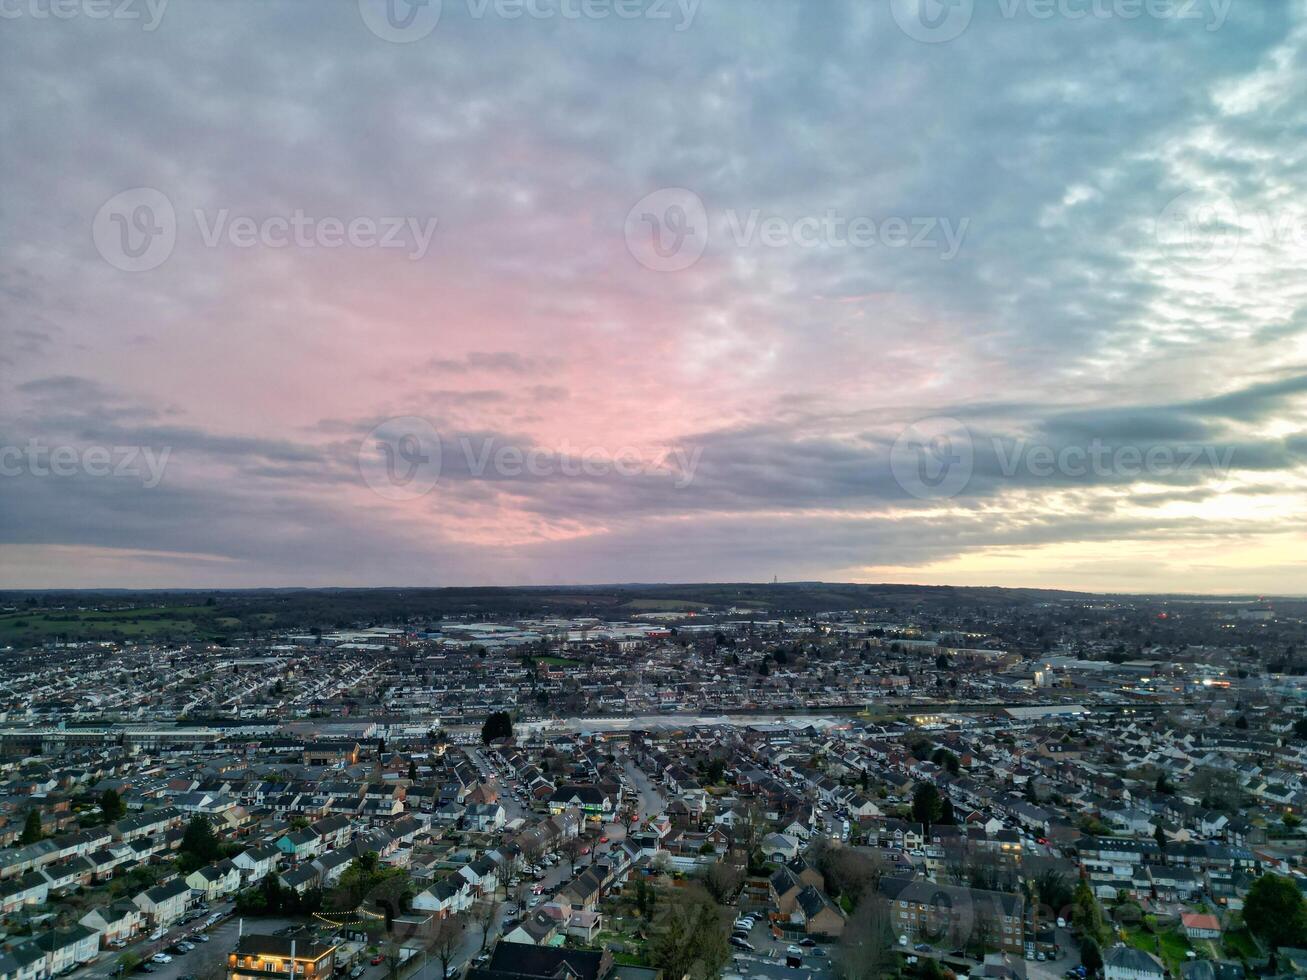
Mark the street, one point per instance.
(222, 938)
(650, 801)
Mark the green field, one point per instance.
(1174, 946)
(35, 625)
(664, 605)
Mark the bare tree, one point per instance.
(866, 951)
(483, 913)
(445, 939)
(723, 882)
(572, 851)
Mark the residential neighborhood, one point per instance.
(838, 795)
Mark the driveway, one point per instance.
(1053, 969)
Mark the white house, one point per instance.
(446, 897)
(1128, 963)
(215, 881)
(256, 863)
(119, 921)
(164, 904)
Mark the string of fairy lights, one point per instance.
(337, 920)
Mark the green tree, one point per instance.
(927, 806)
(112, 807)
(1274, 911)
(372, 885)
(943, 757)
(1086, 913)
(200, 845)
(1091, 955)
(31, 828)
(498, 724)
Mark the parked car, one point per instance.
(807, 941)
(739, 943)
(378, 960)
(161, 958)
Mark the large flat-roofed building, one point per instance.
(278, 957)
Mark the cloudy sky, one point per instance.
(330, 292)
